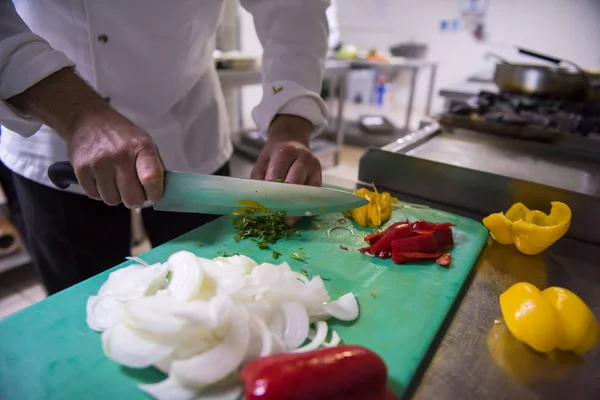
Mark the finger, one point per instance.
(279, 166)
(260, 168)
(86, 180)
(298, 172)
(315, 174)
(150, 172)
(130, 189)
(107, 186)
(291, 221)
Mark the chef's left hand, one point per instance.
(287, 154)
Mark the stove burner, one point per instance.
(526, 116)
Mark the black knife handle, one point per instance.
(62, 174)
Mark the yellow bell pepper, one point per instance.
(531, 231)
(555, 318)
(377, 212)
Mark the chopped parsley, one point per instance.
(276, 254)
(298, 256)
(264, 229)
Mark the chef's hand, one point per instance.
(287, 154)
(115, 161)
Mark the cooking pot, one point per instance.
(551, 82)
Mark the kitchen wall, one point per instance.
(565, 28)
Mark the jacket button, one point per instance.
(102, 38)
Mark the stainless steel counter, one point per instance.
(476, 357)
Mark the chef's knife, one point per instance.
(210, 194)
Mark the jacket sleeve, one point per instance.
(25, 59)
(294, 36)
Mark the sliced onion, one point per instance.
(138, 260)
(320, 337)
(154, 315)
(296, 324)
(103, 312)
(339, 227)
(187, 275)
(345, 308)
(261, 340)
(218, 362)
(335, 340)
(124, 346)
(169, 389)
(135, 281)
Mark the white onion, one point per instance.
(135, 281)
(124, 346)
(218, 362)
(187, 275)
(296, 324)
(335, 340)
(103, 312)
(209, 319)
(345, 308)
(320, 337)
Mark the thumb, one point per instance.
(150, 172)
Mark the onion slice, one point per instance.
(345, 308)
(103, 312)
(320, 337)
(187, 275)
(339, 227)
(296, 324)
(218, 362)
(126, 347)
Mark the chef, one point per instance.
(125, 89)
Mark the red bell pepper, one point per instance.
(337, 373)
(406, 241)
(394, 232)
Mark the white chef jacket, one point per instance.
(152, 59)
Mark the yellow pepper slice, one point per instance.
(531, 231)
(555, 318)
(377, 212)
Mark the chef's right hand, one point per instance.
(115, 161)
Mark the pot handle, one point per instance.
(544, 57)
(495, 57)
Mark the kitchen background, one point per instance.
(443, 44)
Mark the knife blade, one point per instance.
(211, 194)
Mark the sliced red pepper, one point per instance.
(416, 255)
(338, 373)
(416, 244)
(343, 247)
(444, 238)
(393, 233)
(444, 260)
(374, 237)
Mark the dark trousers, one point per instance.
(72, 237)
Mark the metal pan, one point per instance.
(550, 82)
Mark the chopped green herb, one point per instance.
(237, 237)
(235, 254)
(168, 276)
(263, 228)
(280, 180)
(298, 256)
(200, 244)
(374, 295)
(276, 254)
(325, 279)
(305, 272)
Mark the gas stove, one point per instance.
(525, 117)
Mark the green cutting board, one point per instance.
(48, 352)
